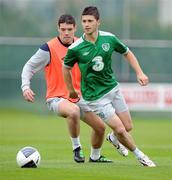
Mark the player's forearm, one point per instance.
(132, 60)
(68, 79)
(36, 63)
(26, 76)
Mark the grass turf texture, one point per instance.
(49, 135)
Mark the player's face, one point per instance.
(89, 24)
(66, 33)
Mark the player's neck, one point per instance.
(64, 43)
(92, 37)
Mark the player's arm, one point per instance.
(68, 80)
(132, 60)
(37, 62)
(69, 62)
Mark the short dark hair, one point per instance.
(91, 10)
(66, 18)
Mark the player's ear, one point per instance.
(98, 22)
(75, 28)
(58, 28)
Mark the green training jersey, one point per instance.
(94, 60)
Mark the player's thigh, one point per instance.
(125, 117)
(67, 108)
(118, 102)
(93, 121)
(122, 110)
(116, 124)
(89, 117)
(63, 107)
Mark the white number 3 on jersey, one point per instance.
(99, 64)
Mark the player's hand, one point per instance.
(73, 95)
(142, 79)
(28, 95)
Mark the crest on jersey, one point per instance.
(101, 115)
(106, 46)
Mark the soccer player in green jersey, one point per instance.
(100, 89)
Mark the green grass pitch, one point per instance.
(49, 135)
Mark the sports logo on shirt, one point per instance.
(106, 47)
(85, 53)
(98, 63)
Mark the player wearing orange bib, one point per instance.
(53, 71)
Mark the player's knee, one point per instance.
(129, 127)
(74, 113)
(100, 129)
(121, 132)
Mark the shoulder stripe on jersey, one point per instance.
(45, 47)
(76, 43)
(103, 33)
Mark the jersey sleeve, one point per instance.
(37, 62)
(70, 58)
(119, 46)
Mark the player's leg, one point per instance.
(71, 113)
(125, 117)
(119, 130)
(121, 109)
(97, 136)
(111, 137)
(98, 128)
(123, 113)
(126, 139)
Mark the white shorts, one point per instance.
(106, 106)
(53, 104)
